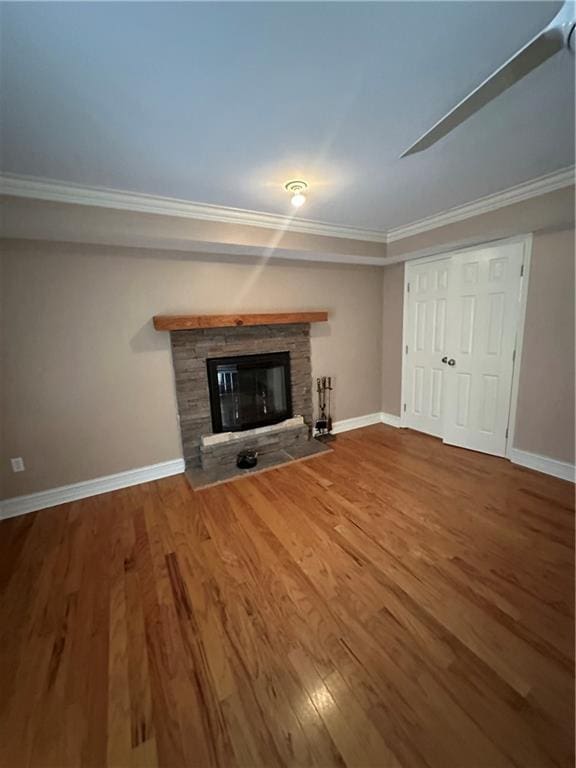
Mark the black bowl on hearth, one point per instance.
(247, 459)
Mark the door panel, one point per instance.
(418, 390)
(467, 317)
(439, 329)
(462, 399)
(427, 316)
(436, 395)
(483, 306)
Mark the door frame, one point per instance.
(526, 241)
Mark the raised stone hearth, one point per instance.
(210, 457)
(300, 449)
(220, 451)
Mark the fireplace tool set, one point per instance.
(323, 423)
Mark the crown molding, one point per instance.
(534, 188)
(60, 192)
(54, 191)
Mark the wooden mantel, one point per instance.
(189, 322)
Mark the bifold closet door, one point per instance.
(482, 320)
(427, 284)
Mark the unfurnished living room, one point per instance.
(287, 360)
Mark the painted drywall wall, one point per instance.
(2, 364)
(545, 415)
(392, 317)
(65, 222)
(552, 211)
(89, 387)
(88, 384)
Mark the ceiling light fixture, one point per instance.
(297, 189)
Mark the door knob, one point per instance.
(444, 359)
(451, 361)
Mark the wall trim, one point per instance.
(366, 421)
(533, 188)
(57, 191)
(520, 333)
(17, 185)
(345, 425)
(20, 505)
(390, 419)
(560, 469)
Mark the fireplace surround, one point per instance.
(190, 352)
(263, 351)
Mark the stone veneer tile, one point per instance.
(191, 349)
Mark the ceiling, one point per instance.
(221, 103)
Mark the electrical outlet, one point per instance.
(17, 464)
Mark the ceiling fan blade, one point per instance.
(536, 52)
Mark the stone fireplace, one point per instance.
(242, 386)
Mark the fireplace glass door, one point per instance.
(249, 391)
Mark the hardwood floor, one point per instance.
(395, 603)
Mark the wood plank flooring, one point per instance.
(397, 602)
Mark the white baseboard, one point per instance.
(560, 469)
(20, 505)
(366, 421)
(355, 423)
(390, 418)
(548, 466)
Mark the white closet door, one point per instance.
(426, 318)
(482, 318)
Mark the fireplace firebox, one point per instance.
(249, 391)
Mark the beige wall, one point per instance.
(545, 414)
(392, 318)
(89, 387)
(2, 366)
(65, 222)
(554, 210)
(88, 384)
